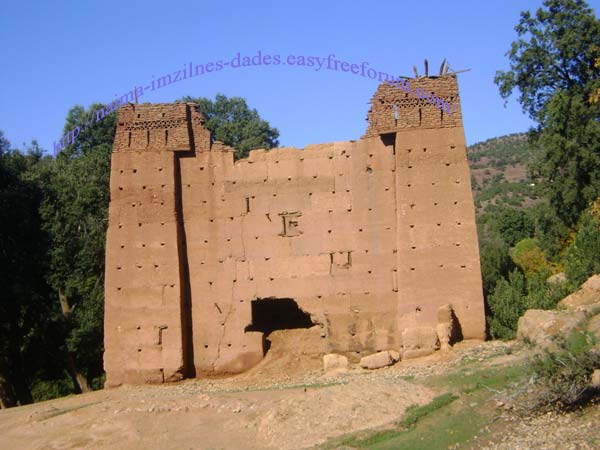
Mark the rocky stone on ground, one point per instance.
(540, 326)
(332, 362)
(380, 359)
(586, 298)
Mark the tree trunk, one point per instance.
(79, 379)
(7, 398)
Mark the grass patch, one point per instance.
(468, 380)
(413, 415)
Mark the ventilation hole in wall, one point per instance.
(255, 237)
(395, 251)
(457, 244)
(452, 146)
(447, 164)
(369, 271)
(156, 266)
(205, 345)
(235, 280)
(330, 210)
(410, 167)
(349, 209)
(134, 170)
(413, 247)
(366, 251)
(206, 241)
(319, 296)
(118, 267)
(160, 169)
(441, 265)
(271, 278)
(119, 288)
(439, 224)
(120, 226)
(267, 258)
(333, 192)
(122, 246)
(418, 309)
(139, 350)
(202, 263)
(408, 185)
(412, 268)
(120, 171)
(139, 266)
(289, 178)
(433, 183)
(139, 224)
(409, 150)
(277, 162)
(120, 188)
(412, 205)
(133, 205)
(424, 149)
(251, 278)
(360, 230)
(162, 244)
(370, 155)
(387, 189)
(310, 194)
(330, 156)
(210, 283)
(231, 218)
(367, 293)
(212, 220)
(329, 231)
(213, 183)
(228, 345)
(144, 245)
(458, 223)
(457, 181)
(388, 228)
(369, 169)
(347, 190)
(228, 239)
(274, 195)
(463, 267)
(162, 224)
(412, 226)
(162, 186)
(314, 176)
(189, 185)
(204, 202)
(456, 203)
(144, 187)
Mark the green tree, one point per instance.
(75, 216)
(582, 257)
(232, 122)
(26, 326)
(552, 64)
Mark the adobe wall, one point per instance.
(369, 237)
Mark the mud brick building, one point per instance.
(364, 239)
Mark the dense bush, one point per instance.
(515, 295)
(564, 374)
(582, 257)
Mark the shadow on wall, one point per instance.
(271, 314)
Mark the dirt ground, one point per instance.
(286, 402)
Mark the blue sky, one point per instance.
(58, 54)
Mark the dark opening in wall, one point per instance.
(271, 314)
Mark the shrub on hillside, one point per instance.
(582, 257)
(513, 296)
(564, 374)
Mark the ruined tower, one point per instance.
(365, 239)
